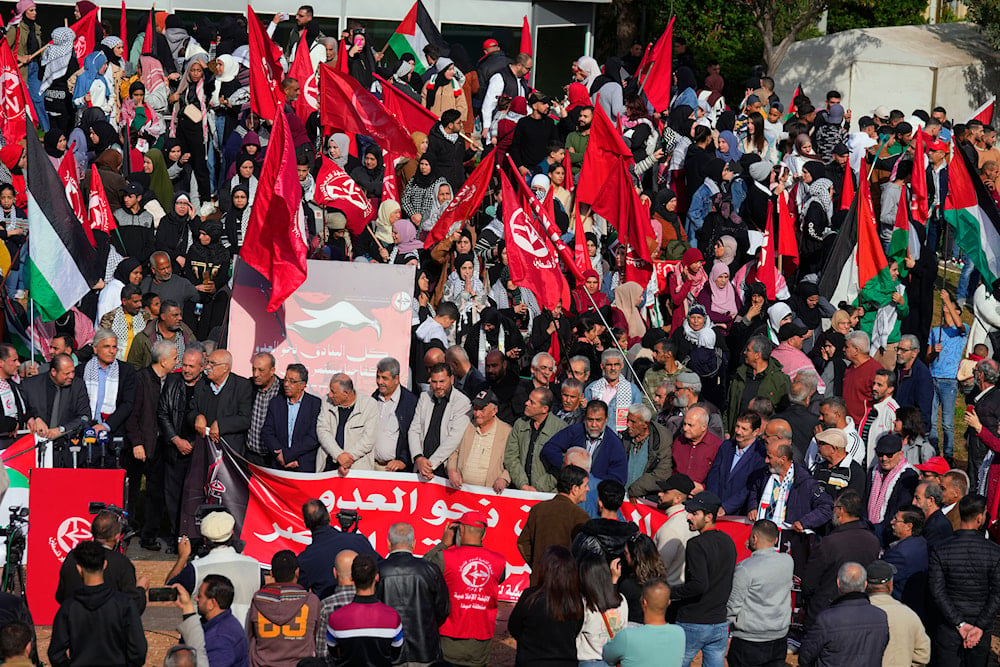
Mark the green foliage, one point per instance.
(851, 14)
(987, 14)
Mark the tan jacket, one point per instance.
(359, 433)
(496, 468)
(909, 645)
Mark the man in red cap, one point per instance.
(933, 469)
(492, 61)
(473, 574)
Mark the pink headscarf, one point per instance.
(408, 241)
(723, 298)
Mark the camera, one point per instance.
(95, 507)
(348, 520)
(163, 594)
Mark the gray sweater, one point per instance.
(760, 604)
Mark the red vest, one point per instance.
(473, 575)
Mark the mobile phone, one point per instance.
(165, 594)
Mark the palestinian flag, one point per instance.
(791, 103)
(984, 114)
(857, 257)
(904, 237)
(62, 265)
(415, 32)
(973, 215)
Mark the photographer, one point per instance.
(119, 573)
(316, 562)
(222, 558)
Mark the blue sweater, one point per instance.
(609, 461)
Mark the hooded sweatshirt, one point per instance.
(98, 626)
(277, 634)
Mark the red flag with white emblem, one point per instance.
(302, 70)
(101, 217)
(16, 100)
(334, 188)
(69, 177)
(84, 43)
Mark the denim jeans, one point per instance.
(968, 280)
(710, 639)
(945, 397)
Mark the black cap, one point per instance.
(131, 188)
(677, 482)
(484, 398)
(866, 121)
(890, 443)
(841, 149)
(706, 501)
(790, 330)
(880, 572)
(539, 96)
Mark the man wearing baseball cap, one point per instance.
(491, 62)
(473, 574)
(672, 537)
(479, 457)
(709, 562)
(837, 471)
(908, 642)
(933, 469)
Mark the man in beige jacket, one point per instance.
(479, 457)
(909, 645)
(346, 428)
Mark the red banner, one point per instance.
(57, 527)
(273, 518)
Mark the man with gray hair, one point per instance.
(416, 589)
(851, 631)
(543, 370)
(758, 376)
(571, 401)
(396, 405)
(222, 406)
(859, 376)
(914, 385)
(687, 392)
(649, 450)
(266, 385)
(110, 386)
(346, 428)
(289, 433)
(579, 368)
(665, 366)
(987, 407)
(798, 413)
(614, 390)
(468, 379)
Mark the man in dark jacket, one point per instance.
(851, 540)
(293, 448)
(929, 497)
(446, 148)
(836, 471)
(397, 405)
(759, 377)
(739, 460)
(96, 625)
(415, 588)
(110, 385)
(176, 434)
(965, 586)
(607, 534)
(607, 451)
(144, 455)
(799, 417)
(52, 418)
(913, 378)
(852, 631)
(649, 448)
(317, 560)
(222, 406)
(891, 483)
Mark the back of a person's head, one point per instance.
(315, 514)
(284, 564)
(850, 501)
(971, 506)
(570, 476)
(90, 556)
(181, 655)
(611, 493)
(14, 639)
(363, 571)
(220, 589)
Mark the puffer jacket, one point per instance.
(851, 633)
(603, 537)
(415, 588)
(964, 578)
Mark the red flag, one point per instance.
(70, 178)
(870, 256)
(619, 203)
(346, 106)
(568, 168)
(984, 114)
(657, 83)
(791, 105)
(123, 29)
(414, 116)
(464, 204)
(342, 64)
(788, 246)
(336, 189)
(530, 256)
(604, 148)
(303, 72)
(84, 43)
(581, 254)
(390, 186)
(847, 190)
(101, 217)
(767, 272)
(16, 103)
(275, 242)
(147, 37)
(918, 179)
(642, 71)
(265, 71)
(526, 37)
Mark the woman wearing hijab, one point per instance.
(685, 284)
(607, 87)
(236, 219)
(370, 173)
(207, 268)
(54, 87)
(591, 286)
(55, 146)
(189, 120)
(376, 242)
(694, 332)
(444, 89)
(518, 303)
(421, 192)
(800, 155)
(244, 176)
(816, 213)
(577, 98)
(805, 304)
(728, 147)
(467, 292)
(109, 170)
(155, 166)
(408, 246)
(831, 362)
(444, 197)
(113, 48)
(24, 37)
(173, 235)
(673, 239)
(408, 168)
(686, 89)
(750, 321)
(719, 300)
(91, 88)
(726, 250)
(128, 272)
(628, 299)
(178, 164)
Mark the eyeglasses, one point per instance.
(905, 349)
(287, 381)
(885, 456)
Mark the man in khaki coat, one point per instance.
(479, 457)
(909, 645)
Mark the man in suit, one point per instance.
(110, 385)
(909, 556)
(289, 431)
(987, 407)
(954, 487)
(13, 415)
(144, 455)
(937, 529)
(738, 460)
(396, 405)
(57, 404)
(222, 406)
(438, 426)
(347, 427)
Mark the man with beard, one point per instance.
(164, 283)
(571, 395)
(598, 438)
(494, 331)
(168, 326)
(665, 366)
(127, 320)
(56, 403)
(503, 383)
(687, 392)
(672, 537)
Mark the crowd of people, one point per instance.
(829, 426)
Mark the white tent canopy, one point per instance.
(907, 67)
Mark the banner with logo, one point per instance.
(57, 527)
(344, 318)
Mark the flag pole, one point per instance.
(31, 325)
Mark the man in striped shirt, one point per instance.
(365, 632)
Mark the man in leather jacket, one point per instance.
(176, 433)
(415, 588)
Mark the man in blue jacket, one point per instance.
(739, 458)
(603, 444)
(289, 431)
(913, 379)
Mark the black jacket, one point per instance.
(119, 574)
(603, 537)
(405, 409)
(902, 495)
(848, 542)
(316, 560)
(448, 156)
(124, 401)
(97, 626)
(709, 562)
(965, 580)
(39, 392)
(232, 408)
(140, 428)
(415, 588)
(937, 529)
(851, 633)
(171, 412)
(803, 424)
